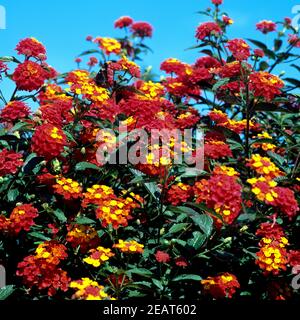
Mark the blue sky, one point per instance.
(62, 25)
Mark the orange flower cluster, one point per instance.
(21, 218)
(221, 193)
(82, 236)
(110, 208)
(272, 257)
(87, 289)
(123, 64)
(239, 49)
(29, 76)
(221, 119)
(42, 271)
(266, 146)
(96, 194)
(68, 188)
(266, 190)
(48, 141)
(129, 246)
(81, 84)
(98, 256)
(266, 85)
(221, 286)
(109, 45)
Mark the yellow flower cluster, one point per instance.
(98, 256)
(88, 289)
(129, 246)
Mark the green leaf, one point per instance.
(178, 227)
(197, 241)
(277, 44)
(158, 284)
(259, 44)
(20, 126)
(9, 59)
(39, 235)
(12, 195)
(203, 221)
(84, 53)
(293, 81)
(60, 215)
(276, 157)
(263, 66)
(220, 83)
(31, 163)
(6, 291)
(84, 220)
(184, 277)
(81, 166)
(140, 271)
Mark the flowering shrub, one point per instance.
(76, 225)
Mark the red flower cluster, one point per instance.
(48, 141)
(266, 26)
(142, 29)
(208, 29)
(21, 218)
(215, 149)
(217, 2)
(14, 110)
(221, 193)
(10, 161)
(29, 76)
(41, 270)
(123, 22)
(31, 47)
(239, 49)
(221, 286)
(179, 193)
(162, 257)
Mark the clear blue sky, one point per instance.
(62, 25)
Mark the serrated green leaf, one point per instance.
(178, 227)
(197, 241)
(60, 215)
(158, 284)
